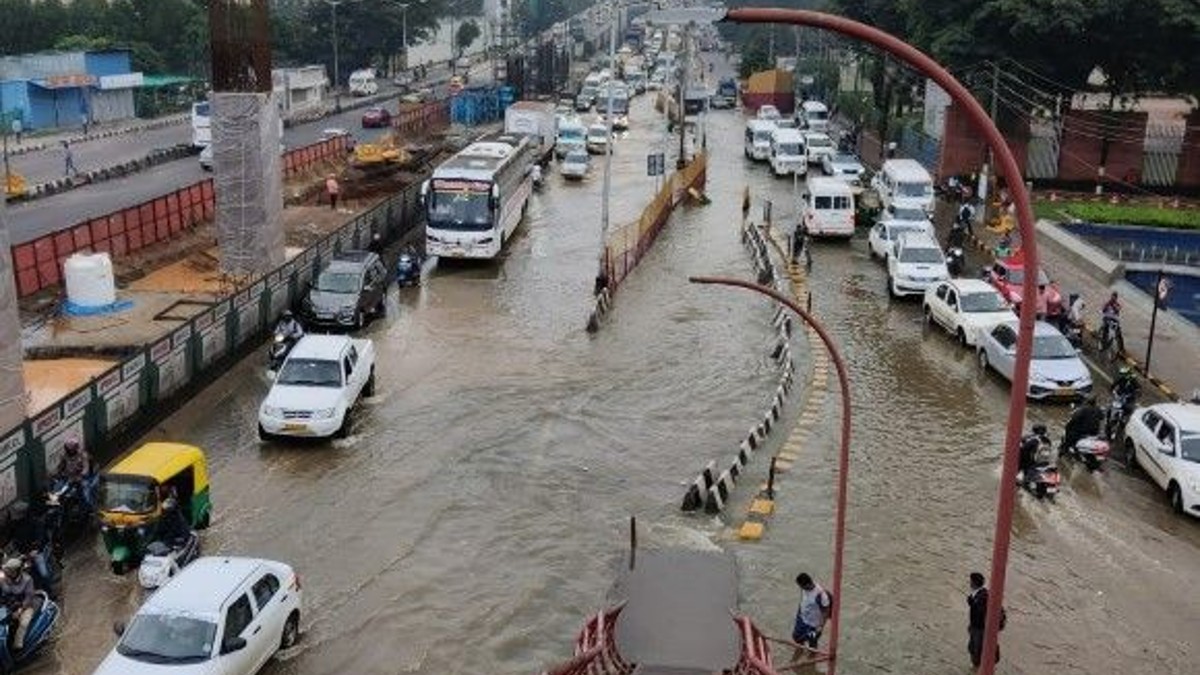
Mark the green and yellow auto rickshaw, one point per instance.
(131, 493)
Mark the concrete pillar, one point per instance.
(12, 374)
(249, 183)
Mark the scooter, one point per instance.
(1116, 416)
(1092, 451)
(281, 346)
(956, 261)
(41, 627)
(163, 561)
(1041, 481)
(408, 269)
(66, 509)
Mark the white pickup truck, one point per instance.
(317, 387)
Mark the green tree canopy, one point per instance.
(468, 32)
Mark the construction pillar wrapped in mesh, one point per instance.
(246, 130)
(12, 374)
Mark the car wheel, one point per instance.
(344, 430)
(927, 315)
(962, 337)
(119, 567)
(892, 289)
(369, 387)
(262, 434)
(1130, 455)
(359, 320)
(291, 632)
(983, 360)
(381, 306)
(1176, 496)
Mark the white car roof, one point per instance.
(1186, 416)
(203, 586)
(786, 134)
(758, 124)
(813, 106)
(964, 286)
(917, 239)
(1040, 328)
(816, 134)
(906, 170)
(827, 185)
(319, 346)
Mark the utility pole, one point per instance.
(337, 81)
(608, 152)
(681, 161)
(404, 32)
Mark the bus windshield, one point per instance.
(570, 134)
(460, 206)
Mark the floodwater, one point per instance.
(477, 513)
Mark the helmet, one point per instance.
(1124, 371)
(1039, 429)
(13, 566)
(287, 313)
(170, 503)
(71, 445)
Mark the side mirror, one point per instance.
(271, 375)
(424, 191)
(119, 628)
(233, 644)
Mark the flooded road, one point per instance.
(477, 513)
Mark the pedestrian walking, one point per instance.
(17, 129)
(977, 600)
(68, 161)
(816, 606)
(333, 190)
(86, 124)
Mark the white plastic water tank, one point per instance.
(90, 280)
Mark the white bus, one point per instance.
(474, 200)
(201, 124)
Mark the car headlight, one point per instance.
(272, 411)
(323, 414)
(346, 312)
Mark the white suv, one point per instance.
(317, 387)
(917, 264)
(1165, 439)
(218, 616)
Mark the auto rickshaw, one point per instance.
(131, 493)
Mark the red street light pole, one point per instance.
(839, 531)
(982, 123)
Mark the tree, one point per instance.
(468, 32)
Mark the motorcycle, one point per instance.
(281, 346)
(1092, 451)
(535, 174)
(408, 269)
(163, 561)
(66, 510)
(1112, 340)
(1116, 416)
(956, 261)
(1073, 332)
(1041, 481)
(41, 627)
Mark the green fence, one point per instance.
(123, 403)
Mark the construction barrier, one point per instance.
(422, 117)
(153, 380)
(38, 264)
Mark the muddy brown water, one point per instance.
(478, 511)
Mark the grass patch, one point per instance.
(1121, 214)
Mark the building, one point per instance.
(63, 89)
(299, 90)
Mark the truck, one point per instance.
(727, 93)
(535, 118)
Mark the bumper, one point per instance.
(912, 286)
(574, 175)
(444, 249)
(1041, 392)
(309, 428)
(316, 320)
(1191, 501)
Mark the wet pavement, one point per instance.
(480, 510)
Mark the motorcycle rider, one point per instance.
(30, 540)
(1087, 420)
(175, 529)
(16, 592)
(1031, 450)
(75, 467)
(1127, 388)
(289, 326)
(1110, 314)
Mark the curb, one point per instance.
(59, 185)
(712, 493)
(158, 123)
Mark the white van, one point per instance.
(362, 82)
(904, 182)
(787, 152)
(758, 139)
(818, 146)
(813, 116)
(828, 209)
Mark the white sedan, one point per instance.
(317, 388)
(1165, 441)
(1055, 369)
(882, 237)
(844, 166)
(966, 308)
(575, 165)
(218, 616)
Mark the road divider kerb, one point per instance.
(60, 185)
(712, 495)
(149, 125)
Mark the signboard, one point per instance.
(445, 185)
(655, 164)
(9, 448)
(123, 81)
(936, 102)
(66, 81)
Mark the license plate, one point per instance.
(1065, 391)
(295, 426)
